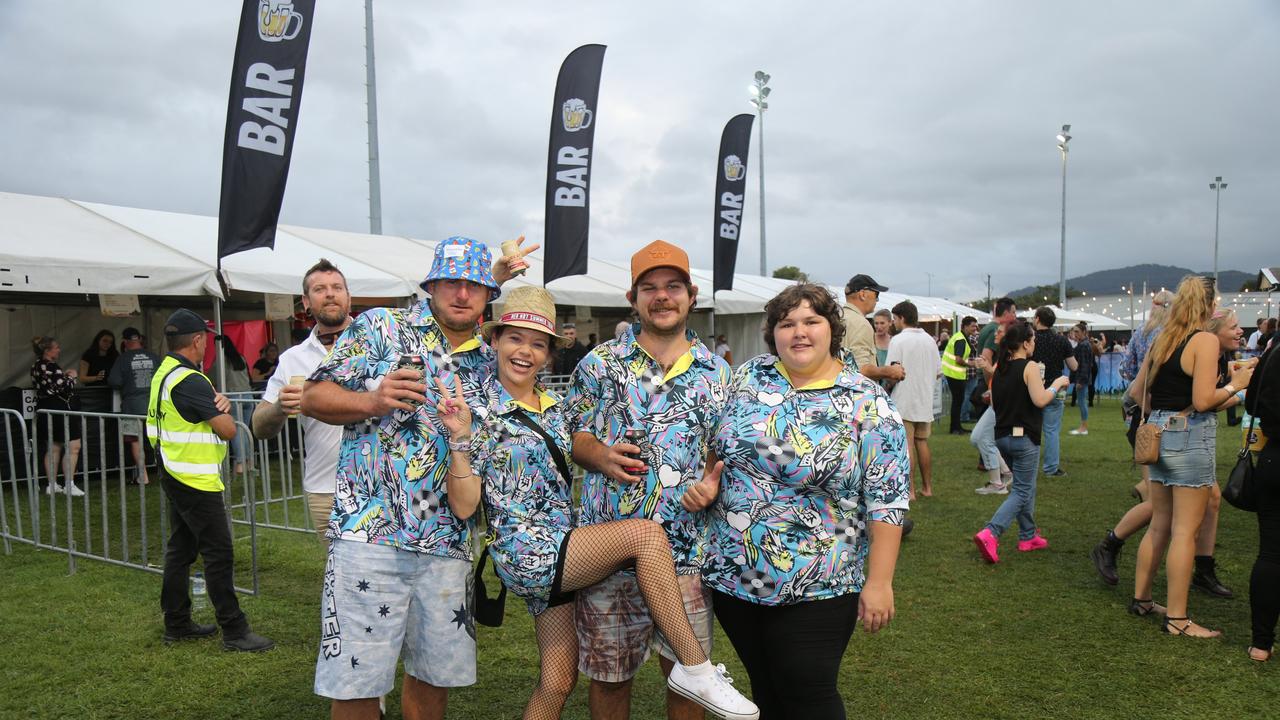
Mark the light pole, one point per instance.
(1217, 186)
(930, 293)
(759, 93)
(371, 108)
(1063, 138)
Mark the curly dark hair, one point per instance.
(820, 300)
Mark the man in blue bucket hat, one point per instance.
(398, 576)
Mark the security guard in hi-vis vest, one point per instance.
(188, 424)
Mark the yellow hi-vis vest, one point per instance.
(191, 452)
(949, 366)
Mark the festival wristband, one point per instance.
(462, 445)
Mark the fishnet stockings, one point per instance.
(558, 650)
(597, 551)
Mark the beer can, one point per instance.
(416, 364)
(635, 436)
(509, 248)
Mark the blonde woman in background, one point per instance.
(1179, 377)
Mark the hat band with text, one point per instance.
(534, 318)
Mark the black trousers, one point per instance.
(1264, 583)
(198, 523)
(792, 653)
(957, 401)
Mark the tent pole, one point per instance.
(222, 361)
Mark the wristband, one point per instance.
(1231, 389)
(1240, 396)
(462, 445)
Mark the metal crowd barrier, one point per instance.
(276, 465)
(114, 521)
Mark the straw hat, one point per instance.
(528, 307)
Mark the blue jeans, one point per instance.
(1082, 399)
(967, 410)
(1022, 456)
(1051, 428)
(983, 437)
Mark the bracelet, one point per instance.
(1231, 389)
(462, 445)
(451, 473)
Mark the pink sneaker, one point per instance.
(1035, 543)
(988, 545)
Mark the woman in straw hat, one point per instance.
(518, 442)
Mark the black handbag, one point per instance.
(1240, 490)
(486, 610)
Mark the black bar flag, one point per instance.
(262, 119)
(573, 128)
(731, 179)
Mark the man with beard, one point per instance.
(399, 570)
(642, 407)
(325, 298)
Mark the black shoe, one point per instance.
(192, 631)
(1104, 556)
(249, 642)
(1207, 580)
(959, 432)
(1056, 473)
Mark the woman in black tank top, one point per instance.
(1018, 396)
(1178, 382)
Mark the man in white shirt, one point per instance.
(325, 297)
(917, 353)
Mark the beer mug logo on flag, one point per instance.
(734, 170)
(576, 116)
(277, 20)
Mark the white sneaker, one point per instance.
(1079, 432)
(993, 488)
(72, 490)
(713, 690)
(52, 489)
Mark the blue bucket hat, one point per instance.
(460, 258)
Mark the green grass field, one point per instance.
(1036, 636)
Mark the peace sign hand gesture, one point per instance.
(453, 411)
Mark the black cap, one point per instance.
(130, 333)
(863, 282)
(184, 322)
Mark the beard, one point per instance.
(330, 317)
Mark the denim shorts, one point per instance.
(379, 600)
(1187, 456)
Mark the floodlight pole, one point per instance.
(1217, 186)
(371, 105)
(1063, 138)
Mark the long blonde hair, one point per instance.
(1220, 319)
(1159, 310)
(1191, 308)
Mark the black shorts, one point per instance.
(559, 597)
(61, 428)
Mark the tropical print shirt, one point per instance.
(391, 470)
(527, 503)
(617, 387)
(805, 470)
(1136, 352)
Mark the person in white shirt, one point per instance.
(917, 353)
(324, 297)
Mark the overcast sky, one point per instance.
(902, 138)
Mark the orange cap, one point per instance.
(656, 254)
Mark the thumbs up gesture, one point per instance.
(703, 493)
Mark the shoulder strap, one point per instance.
(554, 449)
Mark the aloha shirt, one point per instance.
(391, 470)
(527, 504)
(805, 470)
(617, 387)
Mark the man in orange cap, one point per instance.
(640, 406)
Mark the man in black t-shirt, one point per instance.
(566, 359)
(1052, 351)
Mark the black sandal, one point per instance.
(1172, 629)
(1142, 608)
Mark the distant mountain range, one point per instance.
(1156, 277)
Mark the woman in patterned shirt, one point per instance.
(517, 443)
(815, 464)
(55, 389)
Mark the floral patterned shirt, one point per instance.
(617, 387)
(527, 504)
(391, 470)
(1136, 352)
(805, 470)
(51, 383)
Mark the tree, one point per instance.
(791, 272)
(1041, 295)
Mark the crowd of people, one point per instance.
(770, 497)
